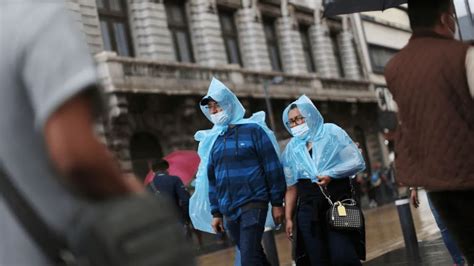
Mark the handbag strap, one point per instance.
(327, 196)
(49, 242)
(345, 201)
(353, 193)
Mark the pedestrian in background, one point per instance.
(327, 150)
(375, 186)
(432, 81)
(171, 187)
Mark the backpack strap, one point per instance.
(46, 239)
(154, 189)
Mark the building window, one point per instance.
(379, 57)
(308, 53)
(272, 43)
(230, 36)
(114, 26)
(178, 26)
(335, 46)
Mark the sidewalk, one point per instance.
(383, 236)
(431, 252)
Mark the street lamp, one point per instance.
(274, 81)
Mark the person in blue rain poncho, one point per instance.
(318, 154)
(239, 175)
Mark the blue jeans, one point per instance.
(237, 261)
(324, 246)
(452, 247)
(247, 232)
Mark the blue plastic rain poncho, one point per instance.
(199, 205)
(334, 153)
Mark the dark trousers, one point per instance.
(456, 210)
(448, 240)
(324, 246)
(247, 232)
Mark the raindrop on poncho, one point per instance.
(199, 205)
(334, 153)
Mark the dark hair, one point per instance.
(160, 165)
(425, 13)
(293, 106)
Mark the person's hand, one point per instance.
(324, 180)
(289, 229)
(414, 198)
(217, 225)
(278, 215)
(359, 148)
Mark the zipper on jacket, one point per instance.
(236, 142)
(224, 161)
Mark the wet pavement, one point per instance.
(431, 253)
(383, 236)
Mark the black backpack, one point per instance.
(135, 230)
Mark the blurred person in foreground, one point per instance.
(47, 143)
(432, 81)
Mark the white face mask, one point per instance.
(300, 131)
(219, 118)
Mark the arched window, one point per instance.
(144, 148)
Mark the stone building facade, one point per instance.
(157, 57)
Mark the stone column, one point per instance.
(117, 129)
(323, 52)
(348, 52)
(73, 6)
(252, 38)
(114, 124)
(291, 47)
(149, 28)
(206, 33)
(85, 13)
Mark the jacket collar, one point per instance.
(426, 33)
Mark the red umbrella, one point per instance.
(183, 164)
(149, 177)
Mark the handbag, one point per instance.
(134, 230)
(344, 215)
